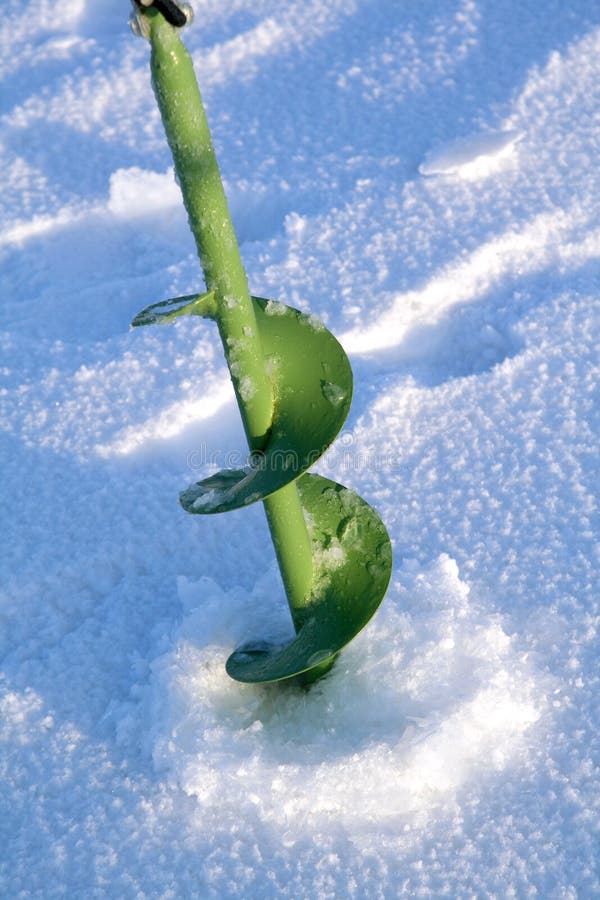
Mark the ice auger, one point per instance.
(293, 385)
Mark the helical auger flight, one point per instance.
(293, 385)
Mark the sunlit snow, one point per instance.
(471, 157)
(422, 178)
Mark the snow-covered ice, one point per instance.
(423, 178)
(471, 157)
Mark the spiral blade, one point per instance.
(312, 382)
(352, 559)
(167, 311)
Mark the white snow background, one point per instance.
(424, 177)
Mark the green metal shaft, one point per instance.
(292, 546)
(198, 174)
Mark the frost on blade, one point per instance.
(166, 311)
(247, 388)
(208, 500)
(212, 492)
(350, 530)
(316, 323)
(333, 392)
(274, 308)
(327, 558)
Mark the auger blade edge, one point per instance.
(352, 559)
(312, 384)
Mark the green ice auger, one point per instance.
(293, 385)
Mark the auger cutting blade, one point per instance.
(352, 564)
(312, 385)
(312, 382)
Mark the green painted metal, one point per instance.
(352, 564)
(166, 311)
(188, 134)
(312, 383)
(293, 385)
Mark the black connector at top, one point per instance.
(169, 9)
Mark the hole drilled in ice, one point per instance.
(405, 723)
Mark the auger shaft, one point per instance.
(188, 134)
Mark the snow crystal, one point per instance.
(274, 308)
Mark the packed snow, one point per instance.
(422, 178)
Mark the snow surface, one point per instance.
(471, 157)
(454, 750)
